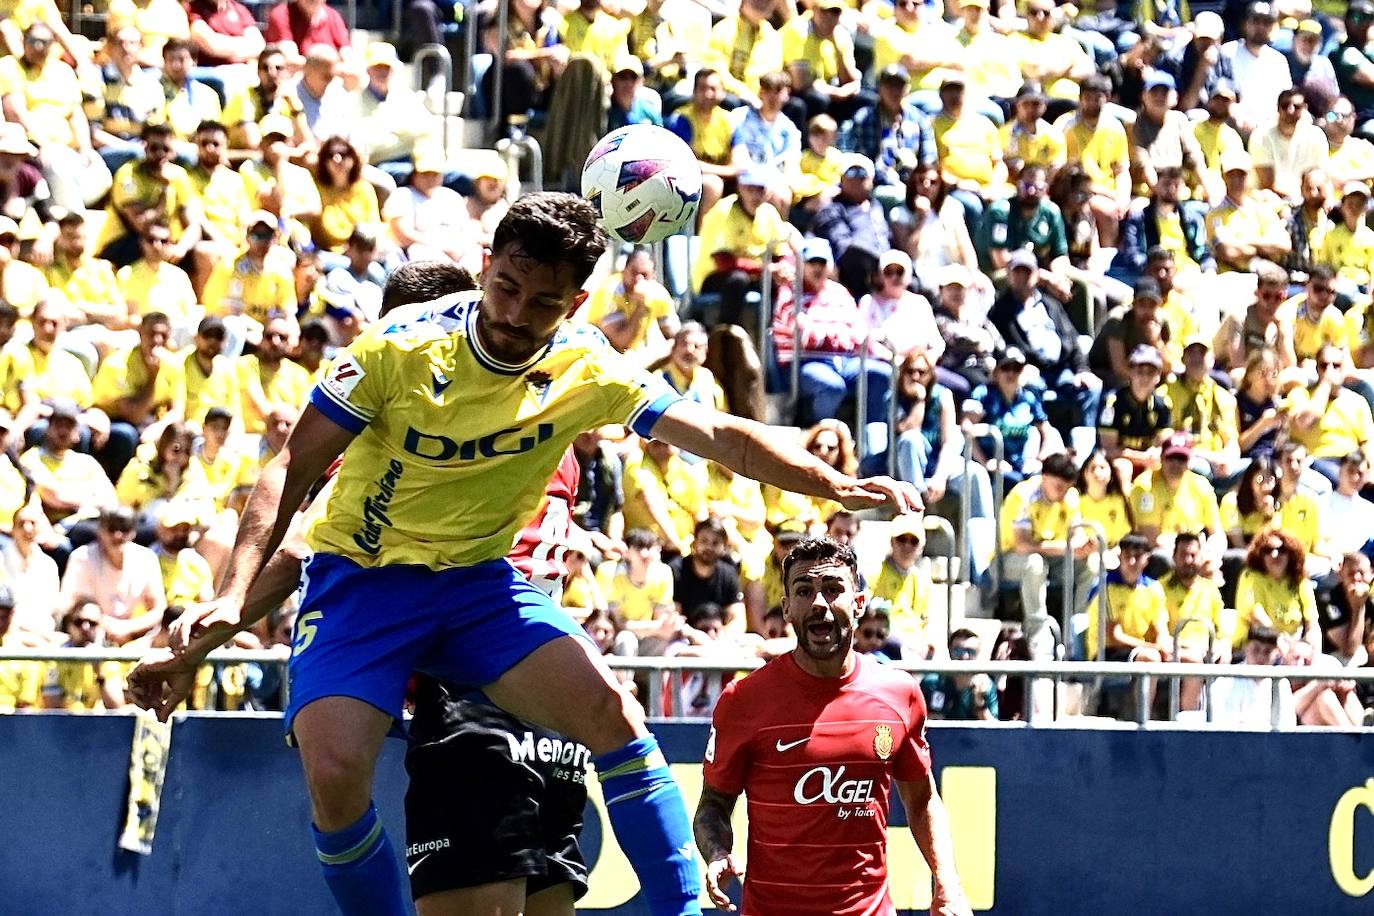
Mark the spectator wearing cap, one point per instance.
(130, 386)
(1197, 65)
(1015, 411)
(186, 577)
(1327, 419)
(20, 682)
(1348, 248)
(1097, 141)
(1242, 227)
(129, 96)
(763, 585)
(1036, 530)
(1285, 150)
(245, 110)
(991, 62)
(487, 203)
(1257, 66)
(898, 318)
(146, 191)
(202, 378)
(426, 219)
(41, 92)
(154, 277)
(1216, 137)
(970, 340)
(22, 185)
(631, 102)
(392, 120)
(738, 235)
(1310, 68)
(118, 576)
(1137, 613)
(72, 487)
(854, 226)
(1036, 324)
(969, 148)
(819, 53)
(224, 32)
(1128, 327)
(743, 48)
(891, 132)
(1028, 139)
(21, 284)
(1172, 499)
(1353, 61)
(833, 334)
(704, 125)
(1163, 138)
(1203, 409)
(1349, 158)
(98, 308)
(254, 284)
(766, 136)
(906, 587)
(1166, 226)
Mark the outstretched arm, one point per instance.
(929, 823)
(716, 840)
(756, 451)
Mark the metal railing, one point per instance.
(1140, 673)
(440, 53)
(498, 76)
(942, 525)
(1174, 682)
(518, 147)
(1099, 536)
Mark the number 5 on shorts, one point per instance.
(305, 632)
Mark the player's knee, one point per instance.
(340, 787)
(613, 719)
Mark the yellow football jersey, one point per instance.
(454, 447)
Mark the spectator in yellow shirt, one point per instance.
(664, 494)
(589, 29)
(228, 473)
(1215, 135)
(41, 92)
(1028, 139)
(907, 588)
(267, 379)
(84, 686)
(1242, 228)
(684, 370)
(991, 63)
(1349, 158)
(1055, 60)
(927, 50)
(72, 486)
(1348, 248)
(1200, 625)
(1205, 410)
(88, 283)
(1317, 323)
(149, 484)
(639, 588)
(709, 131)
(736, 239)
(276, 184)
(186, 576)
(256, 284)
(347, 200)
(1172, 499)
(1274, 591)
(1098, 142)
(155, 278)
(223, 200)
(136, 386)
(1137, 611)
(634, 311)
(21, 284)
(819, 53)
(969, 148)
(744, 47)
(202, 378)
(1328, 420)
(146, 191)
(158, 20)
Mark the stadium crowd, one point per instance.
(1129, 243)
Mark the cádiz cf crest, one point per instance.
(882, 742)
(539, 382)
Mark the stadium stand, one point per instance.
(1100, 286)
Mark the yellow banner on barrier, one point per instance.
(147, 769)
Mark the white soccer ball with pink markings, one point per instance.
(644, 181)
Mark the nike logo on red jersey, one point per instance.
(791, 744)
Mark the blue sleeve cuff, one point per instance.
(327, 405)
(643, 420)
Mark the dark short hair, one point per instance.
(1060, 466)
(1321, 272)
(1266, 635)
(70, 218)
(1134, 543)
(272, 50)
(315, 330)
(774, 81)
(639, 538)
(211, 127)
(8, 313)
(704, 73)
(554, 228)
(173, 45)
(1184, 538)
(1158, 252)
(211, 326)
(154, 129)
(1288, 94)
(424, 281)
(153, 318)
(704, 613)
(712, 525)
(816, 550)
(118, 518)
(962, 633)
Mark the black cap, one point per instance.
(1146, 288)
(217, 413)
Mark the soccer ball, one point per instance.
(644, 181)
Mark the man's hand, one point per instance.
(935, 488)
(161, 682)
(872, 492)
(945, 903)
(716, 874)
(199, 619)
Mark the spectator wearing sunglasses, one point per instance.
(964, 697)
(906, 587)
(1259, 327)
(83, 686)
(871, 634)
(1288, 148)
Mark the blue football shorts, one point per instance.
(361, 631)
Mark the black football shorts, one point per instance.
(490, 798)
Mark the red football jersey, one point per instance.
(539, 548)
(815, 757)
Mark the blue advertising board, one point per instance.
(1061, 821)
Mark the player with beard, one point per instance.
(815, 738)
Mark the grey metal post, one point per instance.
(798, 289)
(350, 14)
(498, 78)
(935, 523)
(470, 29)
(765, 321)
(1099, 536)
(861, 404)
(1275, 691)
(1142, 700)
(893, 419)
(655, 694)
(440, 53)
(977, 431)
(1211, 644)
